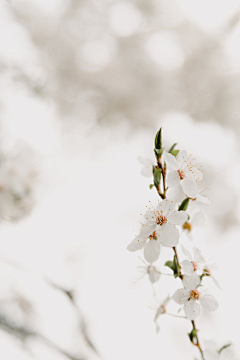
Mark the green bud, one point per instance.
(158, 140)
(151, 186)
(192, 335)
(184, 205)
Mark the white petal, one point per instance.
(192, 309)
(186, 253)
(203, 199)
(187, 267)
(152, 251)
(216, 282)
(198, 258)
(173, 179)
(166, 300)
(191, 282)
(157, 327)
(150, 217)
(147, 171)
(208, 302)
(171, 162)
(137, 244)
(189, 187)
(147, 230)
(159, 312)
(154, 274)
(178, 217)
(145, 161)
(168, 235)
(198, 219)
(194, 174)
(181, 296)
(166, 207)
(181, 158)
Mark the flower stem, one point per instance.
(163, 196)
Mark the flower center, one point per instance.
(160, 220)
(187, 226)
(163, 309)
(207, 272)
(153, 236)
(194, 265)
(195, 294)
(181, 174)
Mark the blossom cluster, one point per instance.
(161, 228)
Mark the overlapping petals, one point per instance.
(183, 171)
(190, 295)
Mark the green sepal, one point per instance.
(192, 335)
(151, 186)
(224, 347)
(158, 140)
(173, 151)
(157, 177)
(172, 147)
(173, 266)
(184, 204)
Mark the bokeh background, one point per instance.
(85, 85)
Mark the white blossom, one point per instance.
(147, 241)
(160, 311)
(163, 220)
(151, 270)
(190, 295)
(198, 264)
(184, 171)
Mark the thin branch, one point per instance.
(23, 333)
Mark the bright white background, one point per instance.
(90, 192)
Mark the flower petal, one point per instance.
(187, 267)
(147, 171)
(181, 158)
(192, 309)
(178, 217)
(147, 230)
(173, 179)
(194, 174)
(171, 161)
(186, 252)
(166, 207)
(189, 187)
(168, 235)
(208, 302)
(191, 282)
(152, 251)
(154, 274)
(203, 199)
(216, 282)
(198, 219)
(181, 296)
(145, 161)
(137, 244)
